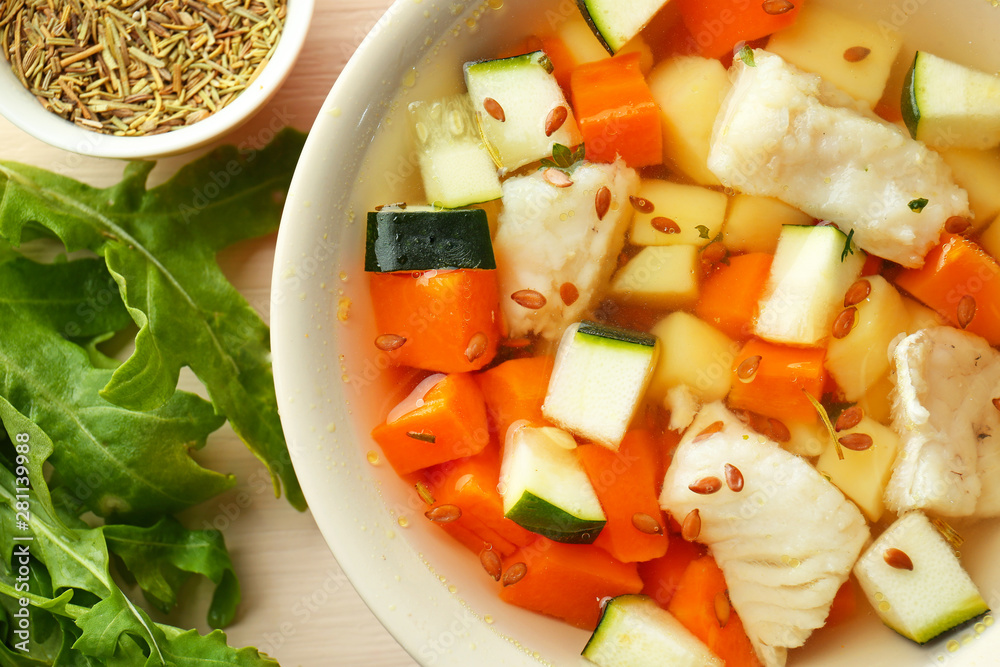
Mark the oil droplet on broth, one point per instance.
(953, 646)
(980, 628)
(452, 589)
(410, 78)
(988, 621)
(403, 522)
(495, 4)
(883, 606)
(488, 619)
(373, 458)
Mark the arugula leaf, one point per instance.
(164, 556)
(160, 247)
(117, 462)
(112, 631)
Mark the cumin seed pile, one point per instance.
(138, 67)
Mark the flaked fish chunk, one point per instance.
(557, 238)
(949, 427)
(788, 134)
(786, 541)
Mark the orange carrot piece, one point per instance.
(845, 603)
(956, 274)
(515, 390)
(450, 319)
(625, 482)
(694, 604)
(661, 576)
(616, 112)
(783, 375)
(718, 26)
(568, 581)
(451, 424)
(729, 297)
(471, 485)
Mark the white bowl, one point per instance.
(21, 108)
(332, 388)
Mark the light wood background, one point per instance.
(297, 605)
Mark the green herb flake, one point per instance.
(848, 246)
(917, 205)
(564, 157)
(702, 231)
(746, 55)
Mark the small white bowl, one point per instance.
(21, 108)
(333, 387)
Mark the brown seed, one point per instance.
(722, 608)
(602, 202)
(857, 293)
(734, 478)
(713, 252)
(778, 431)
(706, 486)
(444, 513)
(422, 436)
(966, 310)
(996, 403)
(555, 120)
(856, 442)
(514, 574)
(557, 178)
(646, 524)
(424, 493)
(956, 224)
(748, 368)
(849, 418)
(491, 563)
(494, 109)
(709, 431)
(856, 54)
(569, 293)
(775, 7)
(640, 204)
(897, 559)
(845, 322)
(477, 346)
(528, 298)
(389, 342)
(691, 526)
(665, 225)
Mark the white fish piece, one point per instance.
(548, 236)
(949, 428)
(789, 134)
(785, 542)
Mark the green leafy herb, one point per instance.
(702, 231)
(917, 205)
(848, 246)
(746, 55)
(564, 157)
(108, 450)
(79, 615)
(160, 247)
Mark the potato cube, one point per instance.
(663, 276)
(862, 476)
(754, 223)
(696, 213)
(977, 172)
(853, 54)
(692, 353)
(689, 91)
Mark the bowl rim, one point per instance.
(23, 110)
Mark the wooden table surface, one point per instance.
(297, 605)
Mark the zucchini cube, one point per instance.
(599, 379)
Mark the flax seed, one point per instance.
(494, 109)
(514, 574)
(706, 486)
(477, 346)
(844, 322)
(569, 293)
(849, 418)
(602, 202)
(856, 442)
(966, 310)
(897, 559)
(491, 563)
(734, 478)
(555, 120)
(709, 431)
(857, 293)
(529, 298)
(665, 225)
(640, 204)
(776, 7)
(748, 368)
(646, 524)
(691, 526)
(389, 342)
(856, 54)
(957, 224)
(723, 608)
(444, 513)
(557, 177)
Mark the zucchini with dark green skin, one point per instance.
(615, 22)
(423, 239)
